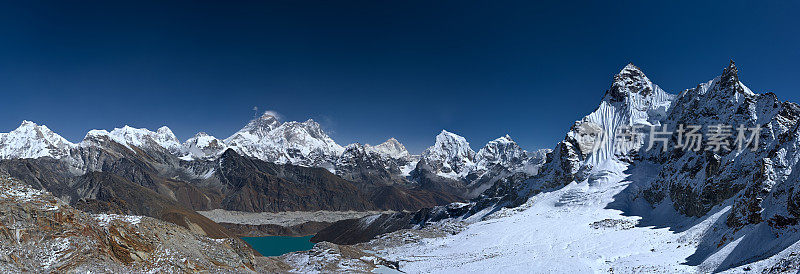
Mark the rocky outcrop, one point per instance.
(39, 233)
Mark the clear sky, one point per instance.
(370, 70)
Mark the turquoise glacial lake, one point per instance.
(279, 245)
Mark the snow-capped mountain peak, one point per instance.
(299, 143)
(142, 138)
(448, 146)
(729, 80)
(503, 151)
(166, 132)
(262, 125)
(450, 156)
(630, 80)
(724, 92)
(30, 140)
(391, 148)
(203, 146)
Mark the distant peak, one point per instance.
(391, 144)
(27, 126)
(165, 130)
(730, 75)
(630, 80)
(267, 115)
(731, 64)
(266, 122)
(446, 138)
(502, 140)
(630, 67)
(631, 71)
(355, 146)
(391, 148)
(27, 123)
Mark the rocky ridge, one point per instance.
(40, 233)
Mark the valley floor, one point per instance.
(291, 223)
(289, 218)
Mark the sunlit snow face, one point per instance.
(590, 135)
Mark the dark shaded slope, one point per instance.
(108, 192)
(104, 192)
(259, 186)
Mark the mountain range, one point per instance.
(594, 203)
(267, 166)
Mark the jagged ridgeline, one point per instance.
(267, 166)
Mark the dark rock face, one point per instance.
(359, 165)
(258, 186)
(627, 80)
(426, 178)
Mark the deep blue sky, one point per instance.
(370, 70)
